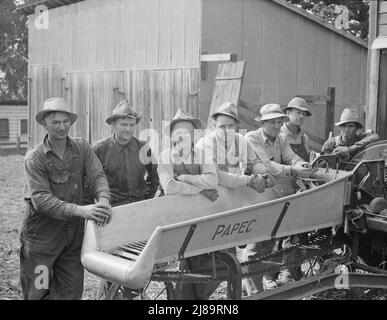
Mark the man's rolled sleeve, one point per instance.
(232, 180)
(40, 192)
(278, 170)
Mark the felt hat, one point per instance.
(55, 105)
(123, 110)
(349, 115)
(227, 109)
(271, 111)
(300, 104)
(182, 115)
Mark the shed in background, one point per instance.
(13, 125)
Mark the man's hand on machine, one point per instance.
(342, 151)
(211, 194)
(302, 169)
(258, 183)
(270, 180)
(99, 212)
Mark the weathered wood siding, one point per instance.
(95, 35)
(382, 19)
(14, 113)
(286, 54)
(98, 52)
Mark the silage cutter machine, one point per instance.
(336, 223)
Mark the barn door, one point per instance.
(228, 85)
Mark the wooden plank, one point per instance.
(232, 39)
(373, 71)
(382, 6)
(382, 30)
(178, 33)
(307, 39)
(352, 84)
(313, 98)
(271, 52)
(338, 65)
(382, 18)
(227, 90)
(220, 57)
(253, 51)
(193, 33)
(289, 32)
(330, 112)
(322, 61)
(150, 17)
(165, 36)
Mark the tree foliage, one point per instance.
(13, 53)
(325, 9)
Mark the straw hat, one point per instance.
(123, 110)
(271, 111)
(227, 109)
(55, 105)
(349, 115)
(300, 104)
(182, 115)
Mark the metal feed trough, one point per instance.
(145, 239)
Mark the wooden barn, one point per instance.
(13, 125)
(164, 54)
(377, 70)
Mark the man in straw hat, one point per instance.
(182, 172)
(349, 142)
(277, 155)
(231, 152)
(274, 149)
(297, 110)
(126, 160)
(52, 233)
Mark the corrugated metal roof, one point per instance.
(30, 5)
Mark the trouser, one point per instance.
(50, 257)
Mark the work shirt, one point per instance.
(56, 185)
(194, 176)
(125, 167)
(277, 156)
(358, 143)
(231, 158)
(299, 142)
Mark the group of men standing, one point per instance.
(70, 181)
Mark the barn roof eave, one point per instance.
(29, 7)
(321, 22)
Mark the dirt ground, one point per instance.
(11, 217)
